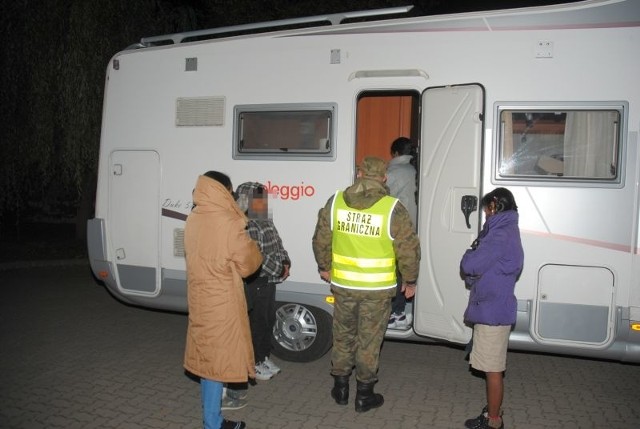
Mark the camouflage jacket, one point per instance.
(361, 195)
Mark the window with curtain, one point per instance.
(567, 144)
(284, 130)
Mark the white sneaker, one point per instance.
(263, 372)
(402, 321)
(275, 369)
(392, 321)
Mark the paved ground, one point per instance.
(73, 357)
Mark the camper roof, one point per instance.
(333, 19)
(577, 14)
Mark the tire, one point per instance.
(301, 333)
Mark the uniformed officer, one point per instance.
(361, 237)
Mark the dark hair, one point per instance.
(402, 146)
(221, 178)
(503, 199)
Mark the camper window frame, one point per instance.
(239, 117)
(541, 179)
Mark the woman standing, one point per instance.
(491, 268)
(219, 254)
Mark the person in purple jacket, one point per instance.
(490, 268)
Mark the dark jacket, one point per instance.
(491, 269)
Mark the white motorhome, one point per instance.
(544, 101)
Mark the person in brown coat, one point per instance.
(219, 253)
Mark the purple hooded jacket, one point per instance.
(492, 269)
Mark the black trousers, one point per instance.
(261, 303)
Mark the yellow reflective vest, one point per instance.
(362, 246)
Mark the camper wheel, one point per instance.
(301, 333)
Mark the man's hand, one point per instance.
(325, 275)
(285, 271)
(409, 290)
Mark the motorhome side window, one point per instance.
(559, 145)
(284, 131)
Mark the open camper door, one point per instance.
(449, 189)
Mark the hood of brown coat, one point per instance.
(210, 196)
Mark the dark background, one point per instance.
(53, 61)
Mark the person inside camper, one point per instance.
(401, 180)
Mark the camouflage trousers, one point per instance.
(359, 322)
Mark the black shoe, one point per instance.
(477, 422)
(482, 421)
(366, 399)
(340, 390)
(228, 424)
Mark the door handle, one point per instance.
(468, 205)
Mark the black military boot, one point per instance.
(340, 391)
(366, 399)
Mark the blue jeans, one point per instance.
(211, 393)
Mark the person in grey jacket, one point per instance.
(491, 268)
(401, 181)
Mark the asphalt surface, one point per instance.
(72, 356)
